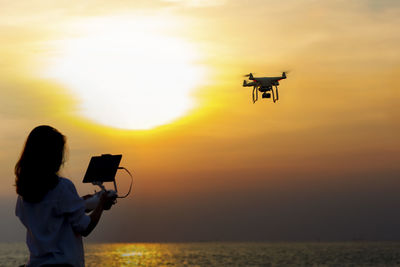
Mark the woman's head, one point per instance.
(36, 170)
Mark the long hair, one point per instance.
(37, 168)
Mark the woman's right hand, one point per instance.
(103, 197)
(107, 200)
(87, 196)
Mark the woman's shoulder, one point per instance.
(65, 181)
(65, 184)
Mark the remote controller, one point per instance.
(113, 194)
(92, 202)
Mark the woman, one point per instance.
(49, 206)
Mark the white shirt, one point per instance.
(53, 226)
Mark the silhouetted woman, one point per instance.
(48, 205)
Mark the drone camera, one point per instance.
(266, 95)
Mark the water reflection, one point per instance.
(244, 254)
(226, 254)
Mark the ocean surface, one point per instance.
(226, 254)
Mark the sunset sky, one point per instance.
(161, 83)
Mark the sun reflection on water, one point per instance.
(244, 254)
(149, 254)
(226, 254)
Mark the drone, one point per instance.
(264, 85)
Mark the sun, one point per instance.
(127, 72)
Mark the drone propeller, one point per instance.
(284, 73)
(248, 75)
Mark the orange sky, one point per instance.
(330, 143)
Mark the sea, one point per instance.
(226, 254)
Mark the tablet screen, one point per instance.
(102, 168)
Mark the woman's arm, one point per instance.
(96, 214)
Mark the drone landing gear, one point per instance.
(273, 95)
(255, 96)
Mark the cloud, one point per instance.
(382, 4)
(196, 3)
